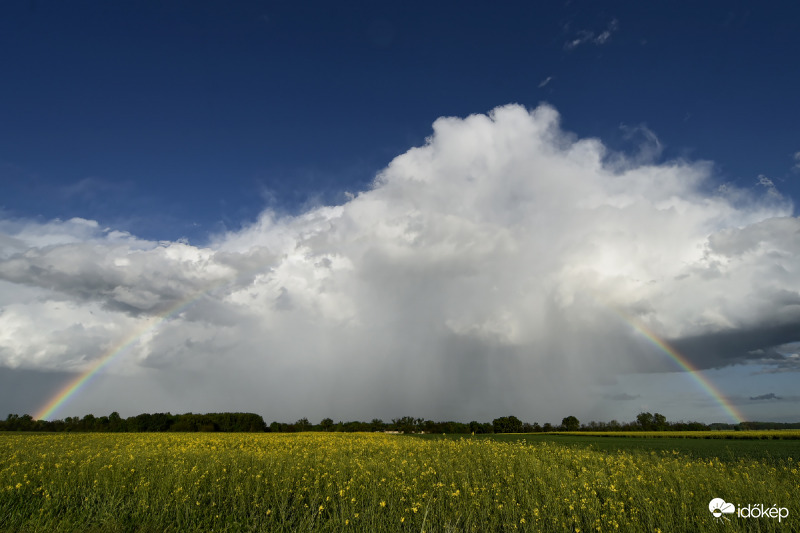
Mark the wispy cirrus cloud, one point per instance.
(582, 37)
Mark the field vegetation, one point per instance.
(771, 451)
(370, 482)
(778, 434)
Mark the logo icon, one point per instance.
(719, 508)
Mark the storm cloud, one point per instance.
(480, 273)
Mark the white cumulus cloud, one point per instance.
(481, 272)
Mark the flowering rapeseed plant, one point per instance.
(365, 482)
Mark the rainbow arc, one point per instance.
(683, 362)
(79, 383)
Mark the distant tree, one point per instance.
(406, 424)
(160, 422)
(457, 427)
(645, 421)
(326, 424)
(303, 425)
(206, 424)
(480, 428)
(507, 424)
(547, 427)
(570, 423)
(101, 424)
(71, 423)
(429, 426)
(377, 425)
(719, 426)
(184, 423)
(19, 423)
(354, 426)
(115, 422)
(659, 422)
(87, 422)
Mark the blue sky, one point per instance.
(175, 120)
(225, 132)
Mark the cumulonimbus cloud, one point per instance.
(499, 256)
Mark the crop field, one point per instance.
(783, 434)
(374, 482)
(733, 446)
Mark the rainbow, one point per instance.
(685, 364)
(79, 383)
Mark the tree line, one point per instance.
(146, 422)
(250, 422)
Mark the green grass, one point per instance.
(772, 451)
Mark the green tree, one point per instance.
(645, 421)
(303, 424)
(570, 423)
(507, 424)
(326, 424)
(406, 424)
(87, 422)
(115, 422)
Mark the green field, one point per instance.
(726, 447)
(377, 482)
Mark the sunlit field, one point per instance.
(372, 482)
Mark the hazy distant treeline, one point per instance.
(250, 422)
(146, 422)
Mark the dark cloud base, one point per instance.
(717, 350)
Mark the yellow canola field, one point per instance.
(370, 482)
